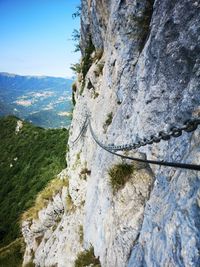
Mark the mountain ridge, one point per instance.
(9, 74)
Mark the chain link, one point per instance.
(155, 162)
(82, 130)
(189, 126)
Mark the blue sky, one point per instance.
(35, 37)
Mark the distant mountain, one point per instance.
(42, 100)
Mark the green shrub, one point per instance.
(82, 87)
(119, 175)
(87, 60)
(77, 13)
(77, 68)
(87, 258)
(76, 38)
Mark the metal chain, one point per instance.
(189, 126)
(161, 163)
(83, 128)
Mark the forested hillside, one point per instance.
(30, 157)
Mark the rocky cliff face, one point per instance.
(142, 77)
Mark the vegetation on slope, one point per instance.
(119, 175)
(11, 255)
(51, 189)
(28, 161)
(87, 258)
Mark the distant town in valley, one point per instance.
(42, 100)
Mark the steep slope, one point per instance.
(139, 75)
(29, 158)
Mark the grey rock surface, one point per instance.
(152, 61)
(149, 81)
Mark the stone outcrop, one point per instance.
(143, 76)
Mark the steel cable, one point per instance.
(81, 131)
(161, 163)
(175, 132)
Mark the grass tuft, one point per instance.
(119, 175)
(69, 203)
(52, 188)
(87, 258)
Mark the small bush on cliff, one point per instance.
(77, 13)
(86, 62)
(95, 95)
(109, 119)
(119, 175)
(77, 68)
(87, 59)
(76, 39)
(87, 258)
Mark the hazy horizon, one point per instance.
(36, 37)
(40, 76)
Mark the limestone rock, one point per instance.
(149, 80)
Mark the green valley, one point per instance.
(44, 101)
